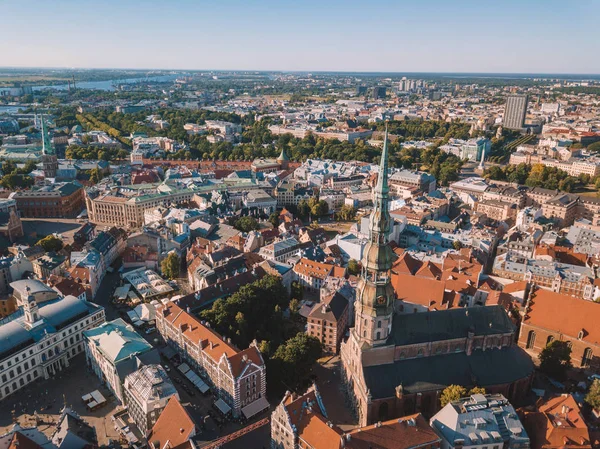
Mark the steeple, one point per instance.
(375, 294)
(283, 159)
(49, 160)
(380, 218)
(46, 145)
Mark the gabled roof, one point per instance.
(547, 310)
(174, 425)
(557, 423)
(449, 324)
(404, 433)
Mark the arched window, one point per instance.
(549, 340)
(530, 340)
(383, 412)
(378, 337)
(379, 324)
(364, 334)
(587, 357)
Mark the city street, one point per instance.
(47, 397)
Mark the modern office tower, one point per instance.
(378, 92)
(515, 111)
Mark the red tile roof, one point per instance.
(564, 314)
(408, 432)
(174, 425)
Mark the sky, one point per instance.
(495, 36)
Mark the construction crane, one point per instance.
(235, 435)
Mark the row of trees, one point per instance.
(95, 153)
(91, 122)
(426, 129)
(538, 175)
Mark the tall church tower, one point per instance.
(49, 161)
(375, 294)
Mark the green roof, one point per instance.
(283, 156)
(481, 368)
(408, 329)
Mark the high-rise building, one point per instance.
(378, 92)
(515, 111)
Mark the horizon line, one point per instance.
(299, 71)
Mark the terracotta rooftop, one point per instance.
(404, 433)
(174, 426)
(558, 423)
(313, 269)
(547, 310)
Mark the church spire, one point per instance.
(46, 145)
(375, 294)
(380, 218)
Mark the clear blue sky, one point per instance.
(534, 36)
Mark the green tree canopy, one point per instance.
(292, 362)
(593, 395)
(555, 359)
(170, 266)
(246, 224)
(260, 305)
(353, 267)
(51, 243)
(452, 393)
(274, 219)
(346, 213)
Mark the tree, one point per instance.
(16, 180)
(452, 393)
(50, 243)
(477, 390)
(320, 208)
(246, 224)
(593, 396)
(260, 304)
(170, 266)
(457, 245)
(594, 147)
(555, 359)
(95, 176)
(568, 184)
(303, 209)
(274, 219)
(297, 290)
(293, 361)
(294, 306)
(346, 213)
(353, 267)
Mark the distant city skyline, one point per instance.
(550, 37)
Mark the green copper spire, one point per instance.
(47, 146)
(283, 155)
(380, 218)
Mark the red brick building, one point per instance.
(554, 316)
(328, 320)
(59, 200)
